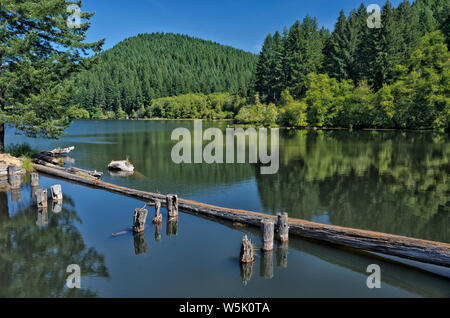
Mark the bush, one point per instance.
(21, 150)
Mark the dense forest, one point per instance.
(140, 69)
(394, 76)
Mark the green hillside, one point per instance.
(143, 68)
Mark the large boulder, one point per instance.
(123, 165)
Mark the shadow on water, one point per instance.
(38, 246)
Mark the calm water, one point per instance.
(385, 181)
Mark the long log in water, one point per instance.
(416, 249)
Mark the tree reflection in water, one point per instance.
(34, 259)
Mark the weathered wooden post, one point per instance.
(41, 198)
(56, 192)
(172, 205)
(15, 181)
(282, 254)
(140, 217)
(282, 229)
(13, 170)
(246, 255)
(267, 229)
(140, 245)
(34, 180)
(172, 227)
(42, 217)
(266, 265)
(158, 215)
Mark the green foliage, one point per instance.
(28, 164)
(38, 53)
(266, 115)
(78, 113)
(21, 150)
(293, 113)
(141, 69)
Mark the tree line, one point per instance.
(393, 76)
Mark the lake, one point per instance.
(388, 181)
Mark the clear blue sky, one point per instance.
(239, 23)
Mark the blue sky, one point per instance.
(242, 24)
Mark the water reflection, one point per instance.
(38, 247)
(282, 254)
(172, 227)
(140, 245)
(266, 264)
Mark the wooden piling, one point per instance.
(13, 170)
(282, 228)
(158, 215)
(140, 217)
(34, 179)
(246, 255)
(172, 205)
(56, 193)
(267, 234)
(41, 198)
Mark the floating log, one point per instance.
(56, 193)
(58, 152)
(48, 159)
(140, 216)
(48, 164)
(95, 174)
(282, 228)
(416, 249)
(15, 181)
(123, 165)
(158, 215)
(267, 231)
(246, 255)
(41, 198)
(34, 179)
(172, 205)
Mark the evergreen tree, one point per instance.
(39, 50)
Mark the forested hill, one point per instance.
(149, 66)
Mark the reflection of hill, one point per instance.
(33, 259)
(385, 181)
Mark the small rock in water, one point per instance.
(123, 165)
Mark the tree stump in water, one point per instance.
(140, 217)
(246, 255)
(56, 193)
(266, 265)
(282, 254)
(34, 179)
(172, 227)
(172, 205)
(41, 198)
(267, 228)
(158, 215)
(140, 245)
(282, 227)
(15, 181)
(13, 170)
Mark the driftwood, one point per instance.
(95, 174)
(48, 159)
(58, 152)
(123, 165)
(416, 249)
